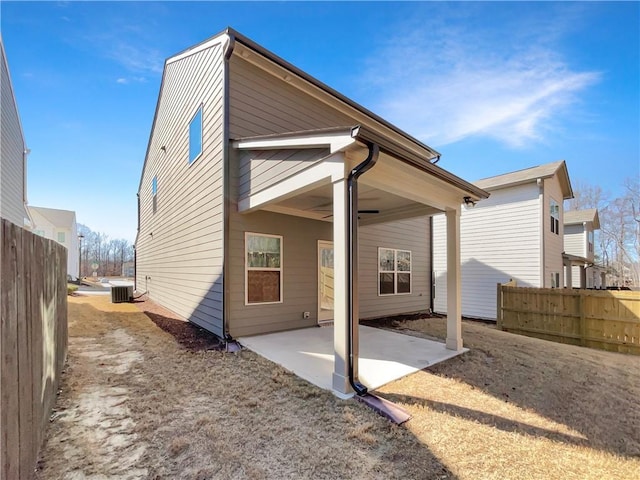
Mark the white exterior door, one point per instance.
(325, 281)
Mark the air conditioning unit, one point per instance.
(121, 294)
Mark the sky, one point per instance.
(494, 87)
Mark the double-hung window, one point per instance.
(394, 271)
(263, 260)
(590, 241)
(195, 135)
(554, 211)
(61, 237)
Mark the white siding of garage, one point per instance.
(499, 241)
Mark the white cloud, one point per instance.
(450, 83)
(127, 80)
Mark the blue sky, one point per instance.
(495, 87)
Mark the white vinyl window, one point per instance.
(590, 242)
(554, 211)
(263, 268)
(555, 280)
(61, 237)
(394, 271)
(195, 135)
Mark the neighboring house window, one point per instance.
(555, 280)
(394, 271)
(590, 242)
(61, 237)
(39, 232)
(154, 193)
(263, 257)
(195, 136)
(554, 210)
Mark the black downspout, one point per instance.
(432, 280)
(352, 257)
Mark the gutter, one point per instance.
(352, 261)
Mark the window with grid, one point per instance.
(554, 211)
(263, 268)
(394, 271)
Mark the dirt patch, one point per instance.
(187, 334)
(137, 402)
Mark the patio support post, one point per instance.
(568, 274)
(454, 291)
(340, 381)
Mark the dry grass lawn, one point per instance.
(137, 403)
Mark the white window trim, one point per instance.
(201, 110)
(552, 201)
(395, 272)
(246, 269)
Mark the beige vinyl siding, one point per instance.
(260, 103)
(553, 243)
(499, 241)
(575, 243)
(12, 147)
(575, 240)
(411, 234)
(299, 270)
(180, 247)
(262, 169)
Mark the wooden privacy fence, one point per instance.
(33, 343)
(603, 319)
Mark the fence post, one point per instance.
(499, 306)
(583, 325)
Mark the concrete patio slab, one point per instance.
(384, 356)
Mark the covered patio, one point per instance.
(320, 179)
(384, 356)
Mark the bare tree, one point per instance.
(618, 240)
(109, 255)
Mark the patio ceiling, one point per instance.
(375, 205)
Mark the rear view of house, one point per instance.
(13, 152)
(269, 202)
(517, 234)
(579, 249)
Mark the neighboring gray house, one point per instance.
(579, 246)
(13, 152)
(516, 234)
(59, 225)
(246, 222)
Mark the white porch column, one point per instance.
(568, 274)
(340, 381)
(454, 290)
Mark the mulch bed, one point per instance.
(188, 335)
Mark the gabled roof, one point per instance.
(528, 175)
(339, 138)
(575, 217)
(58, 218)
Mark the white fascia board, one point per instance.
(335, 143)
(222, 39)
(319, 174)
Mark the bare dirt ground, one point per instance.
(148, 396)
